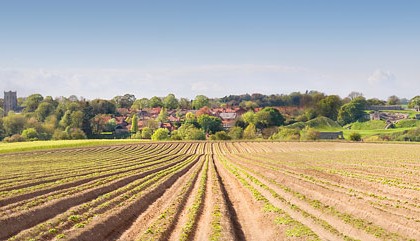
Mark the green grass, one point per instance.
(45, 145)
(367, 133)
(368, 125)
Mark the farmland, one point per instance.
(212, 191)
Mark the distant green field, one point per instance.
(44, 145)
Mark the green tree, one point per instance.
(160, 134)
(146, 133)
(2, 130)
(236, 133)
(76, 118)
(141, 104)
(66, 119)
(190, 132)
(44, 110)
(200, 101)
(352, 111)
(14, 123)
(134, 124)
(375, 101)
(170, 102)
(125, 101)
(30, 134)
(77, 134)
(155, 102)
(210, 124)
(222, 135)
(394, 100)
(87, 117)
(250, 132)
(163, 115)
(184, 104)
(31, 103)
(415, 103)
(268, 117)
(103, 107)
(249, 117)
(329, 106)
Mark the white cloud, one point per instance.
(380, 77)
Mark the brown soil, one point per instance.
(254, 223)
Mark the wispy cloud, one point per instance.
(381, 77)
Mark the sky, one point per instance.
(101, 49)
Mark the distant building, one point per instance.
(10, 102)
(385, 107)
(331, 135)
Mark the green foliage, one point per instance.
(146, 133)
(407, 123)
(222, 135)
(249, 117)
(352, 111)
(393, 100)
(160, 134)
(309, 134)
(103, 107)
(184, 104)
(250, 132)
(355, 136)
(14, 123)
(236, 133)
(44, 110)
(170, 102)
(190, 132)
(163, 115)
(210, 124)
(269, 117)
(140, 104)
(110, 125)
(200, 101)
(375, 101)
(286, 134)
(155, 102)
(329, 106)
(31, 103)
(134, 124)
(30, 134)
(125, 101)
(415, 103)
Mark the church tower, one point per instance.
(10, 102)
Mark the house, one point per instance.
(385, 107)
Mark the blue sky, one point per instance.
(100, 49)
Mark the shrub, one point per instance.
(160, 134)
(355, 136)
(14, 138)
(236, 133)
(286, 134)
(77, 134)
(146, 133)
(30, 134)
(309, 134)
(250, 132)
(222, 135)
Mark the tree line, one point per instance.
(45, 118)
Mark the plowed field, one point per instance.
(212, 191)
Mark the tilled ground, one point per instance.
(212, 191)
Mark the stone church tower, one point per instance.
(10, 102)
